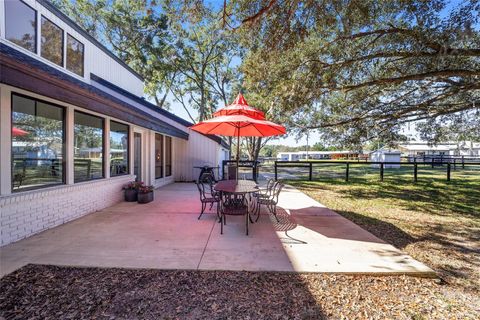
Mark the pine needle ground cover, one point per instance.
(50, 292)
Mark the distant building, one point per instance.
(315, 155)
(383, 155)
(418, 149)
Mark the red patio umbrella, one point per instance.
(240, 107)
(18, 132)
(240, 125)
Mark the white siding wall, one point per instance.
(197, 151)
(96, 60)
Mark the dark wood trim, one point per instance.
(20, 75)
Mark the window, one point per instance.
(38, 142)
(52, 42)
(88, 147)
(74, 55)
(21, 25)
(158, 156)
(118, 148)
(168, 156)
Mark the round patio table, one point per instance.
(238, 188)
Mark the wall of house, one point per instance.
(198, 150)
(27, 213)
(95, 59)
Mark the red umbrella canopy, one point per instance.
(240, 120)
(240, 107)
(18, 132)
(239, 126)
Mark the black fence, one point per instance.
(346, 166)
(229, 168)
(442, 159)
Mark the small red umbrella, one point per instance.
(240, 125)
(18, 132)
(240, 107)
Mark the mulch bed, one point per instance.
(51, 292)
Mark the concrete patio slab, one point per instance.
(166, 234)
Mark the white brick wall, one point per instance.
(30, 212)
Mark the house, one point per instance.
(460, 148)
(383, 155)
(75, 127)
(316, 155)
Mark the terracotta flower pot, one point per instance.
(145, 197)
(131, 195)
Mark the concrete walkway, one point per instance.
(166, 234)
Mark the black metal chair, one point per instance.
(271, 201)
(267, 192)
(205, 200)
(234, 206)
(210, 181)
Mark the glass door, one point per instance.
(137, 156)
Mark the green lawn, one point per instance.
(433, 220)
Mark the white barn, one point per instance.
(382, 155)
(460, 148)
(75, 127)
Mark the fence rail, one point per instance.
(381, 166)
(241, 164)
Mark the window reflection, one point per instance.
(21, 24)
(74, 55)
(52, 42)
(38, 137)
(158, 156)
(118, 148)
(88, 147)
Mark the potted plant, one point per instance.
(131, 191)
(145, 194)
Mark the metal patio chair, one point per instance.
(206, 199)
(210, 181)
(271, 201)
(267, 192)
(234, 207)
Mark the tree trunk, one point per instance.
(161, 102)
(254, 145)
(258, 147)
(202, 103)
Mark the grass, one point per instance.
(434, 220)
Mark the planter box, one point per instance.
(131, 195)
(145, 197)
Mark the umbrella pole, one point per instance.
(238, 151)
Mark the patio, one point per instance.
(166, 234)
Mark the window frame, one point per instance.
(66, 55)
(36, 49)
(103, 146)
(63, 63)
(170, 153)
(163, 156)
(64, 143)
(110, 149)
